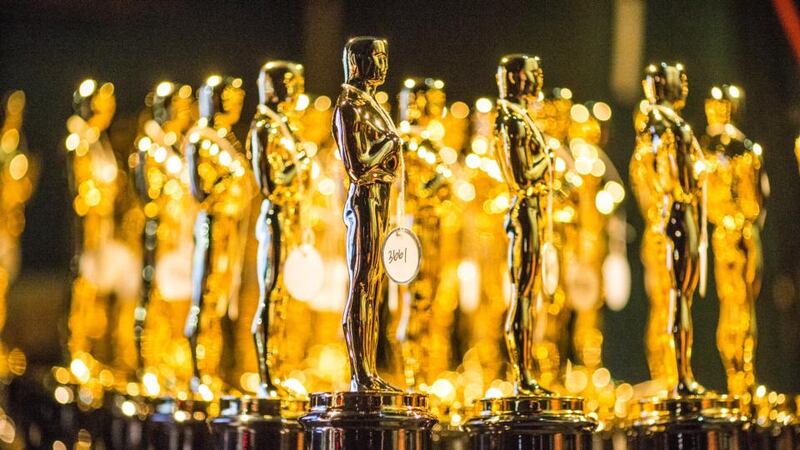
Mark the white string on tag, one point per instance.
(401, 193)
(703, 245)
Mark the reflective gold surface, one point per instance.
(797, 151)
(667, 174)
(220, 183)
(19, 173)
(370, 150)
(161, 179)
(523, 157)
(712, 407)
(538, 160)
(690, 421)
(280, 166)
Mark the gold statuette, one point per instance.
(524, 159)
(667, 172)
(280, 168)
(534, 417)
(95, 186)
(373, 414)
(370, 150)
(161, 180)
(220, 183)
(735, 203)
(17, 180)
(737, 186)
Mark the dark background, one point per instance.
(47, 47)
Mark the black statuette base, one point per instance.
(531, 423)
(179, 425)
(252, 423)
(374, 420)
(690, 423)
(447, 437)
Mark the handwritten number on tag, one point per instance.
(401, 255)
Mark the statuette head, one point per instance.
(366, 61)
(171, 106)
(220, 100)
(280, 84)
(519, 76)
(665, 83)
(724, 104)
(95, 103)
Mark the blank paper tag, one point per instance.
(549, 269)
(616, 281)
(401, 254)
(583, 286)
(303, 273)
(703, 267)
(174, 274)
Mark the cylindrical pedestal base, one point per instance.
(47, 411)
(252, 423)
(374, 420)
(127, 427)
(689, 423)
(178, 425)
(774, 437)
(448, 437)
(531, 423)
(613, 439)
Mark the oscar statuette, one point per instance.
(373, 414)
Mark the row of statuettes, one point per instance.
(185, 223)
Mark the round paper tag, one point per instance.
(303, 272)
(616, 281)
(549, 268)
(112, 268)
(583, 286)
(174, 274)
(401, 254)
(703, 267)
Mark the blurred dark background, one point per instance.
(596, 48)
